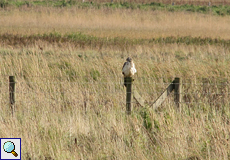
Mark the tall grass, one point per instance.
(70, 102)
(113, 23)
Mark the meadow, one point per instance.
(70, 99)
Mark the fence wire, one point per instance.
(62, 93)
(120, 83)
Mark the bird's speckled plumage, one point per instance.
(128, 69)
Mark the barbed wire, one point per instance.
(120, 83)
(52, 95)
(112, 92)
(82, 102)
(116, 80)
(21, 75)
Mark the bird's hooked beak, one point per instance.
(129, 59)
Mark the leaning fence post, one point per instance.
(128, 83)
(177, 91)
(12, 92)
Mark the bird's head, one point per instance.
(129, 59)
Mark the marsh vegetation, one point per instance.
(70, 102)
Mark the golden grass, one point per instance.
(70, 102)
(114, 23)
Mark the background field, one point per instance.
(70, 102)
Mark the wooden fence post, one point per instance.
(139, 99)
(128, 83)
(163, 96)
(12, 92)
(177, 91)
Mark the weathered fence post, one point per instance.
(128, 83)
(177, 91)
(12, 92)
(139, 99)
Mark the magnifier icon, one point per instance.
(9, 147)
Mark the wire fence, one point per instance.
(110, 94)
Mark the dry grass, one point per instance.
(177, 2)
(113, 23)
(70, 101)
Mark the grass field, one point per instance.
(70, 102)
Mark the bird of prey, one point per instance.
(128, 69)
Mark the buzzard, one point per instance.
(128, 69)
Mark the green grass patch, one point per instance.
(82, 40)
(221, 10)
